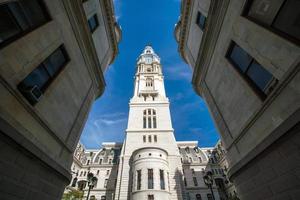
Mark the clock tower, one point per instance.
(150, 166)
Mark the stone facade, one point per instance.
(50, 74)
(218, 157)
(104, 164)
(246, 67)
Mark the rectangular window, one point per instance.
(150, 138)
(282, 16)
(258, 77)
(105, 183)
(144, 122)
(93, 23)
(209, 197)
(154, 122)
(184, 180)
(155, 138)
(150, 179)
(200, 21)
(149, 122)
(139, 179)
(162, 179)
(20, 17)
(151, 197)
(144, 138)
(193, 171)
(97, 172)
(195, 181)
(36, 83)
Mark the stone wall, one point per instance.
(25, 176)
(275, 173)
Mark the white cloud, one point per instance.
(118, 5)
(108, 127)
(178, 71)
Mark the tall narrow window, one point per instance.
(40, 78)
(74, 182)
(250, 69)
(149, 118)
(93, 23)
(20, 17)
(155, 138)
(209, 197)
(150, 138)
(184, 180)
(105, 183)
(139, 179)
(195, 181)
(154, 121)
(198, 197)
(144, 122)
(149, 83)
(162, 179)
(150, 197)
(149, 122)
(100, 161)
(150, 179)
(144, 138)
(200, 20)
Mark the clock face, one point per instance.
(148, 60)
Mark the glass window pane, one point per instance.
(154, 122)
(240, 58)
(38, 77)
(162, 179)
(17, 11)
(139, 179)
(265, 10)
(144, 122)
(200, 20)
(259, 75)
(8, 25)
(149, 122)
(55, 62)
(93, 23)
(34, 13)
(288, 20)
(150, 178)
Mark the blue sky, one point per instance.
(148, 22)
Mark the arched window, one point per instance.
(149, 118)
(149, 82)
(74, 182)
(198, 197)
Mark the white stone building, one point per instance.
(151, 164)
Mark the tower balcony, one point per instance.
(149, 92)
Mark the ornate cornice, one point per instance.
(114, 29)
(183, 26)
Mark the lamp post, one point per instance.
(208, 180)
(91, 180)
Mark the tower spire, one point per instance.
(149, 84)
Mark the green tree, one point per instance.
(73, 195)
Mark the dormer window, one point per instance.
(148, 51)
